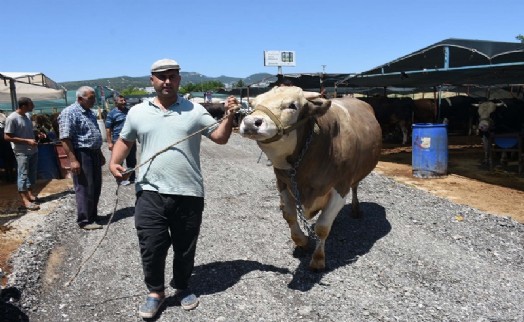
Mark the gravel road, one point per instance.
(412, 257)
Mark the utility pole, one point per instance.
(322, 80)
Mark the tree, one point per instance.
(201, 87)
(240, 84)
(133, 91)
(521, 38)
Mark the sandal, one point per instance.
(150, 308)
(188, 300)
(31, 206)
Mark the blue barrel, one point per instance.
(430, 150)
(47, 162)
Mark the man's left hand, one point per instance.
(231, 105)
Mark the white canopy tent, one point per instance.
(36, 86)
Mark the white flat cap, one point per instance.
(163, 65)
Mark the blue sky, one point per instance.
(78, 40)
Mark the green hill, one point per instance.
(121, 82)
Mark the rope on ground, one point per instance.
(99, 241)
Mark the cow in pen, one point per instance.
(320, 149)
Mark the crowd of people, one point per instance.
(169, 185)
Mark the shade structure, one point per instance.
(450, 62)
(34, 85)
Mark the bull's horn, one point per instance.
(311, 95)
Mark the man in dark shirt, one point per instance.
(114, 122)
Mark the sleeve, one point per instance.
(64, 124)
(109, 120)
(9, 126)
(128, 132)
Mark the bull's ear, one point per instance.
(318, 106)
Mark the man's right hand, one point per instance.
(117, 170)
(110, 146)
(75, 167)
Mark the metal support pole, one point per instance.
(12, 88)
(439, 102)
(446, 57)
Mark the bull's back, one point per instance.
(361, 138)
(349, 142)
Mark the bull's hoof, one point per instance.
(300, 252)
(318, 261)
(301, 241)
(303, 250)
(317, 266)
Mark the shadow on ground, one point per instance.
(349, 239)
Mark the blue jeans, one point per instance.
(27, 167)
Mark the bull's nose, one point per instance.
(258, 122)
(253, 122)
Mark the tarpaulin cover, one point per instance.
(34, 85)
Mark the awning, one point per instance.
(34, 85)
(455, 62)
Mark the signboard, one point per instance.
(279, 58)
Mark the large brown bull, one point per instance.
(320, 149)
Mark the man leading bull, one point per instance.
(169, 188)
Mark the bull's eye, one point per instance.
(292, 107)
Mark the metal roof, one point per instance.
(449, 62)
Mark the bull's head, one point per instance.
(280, 111)
(484, 110)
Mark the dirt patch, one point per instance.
(15, 225)
(499, 192)
(51, 274)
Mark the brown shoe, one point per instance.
(91, 226)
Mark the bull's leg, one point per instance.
(289, 212)
(404, 129)
(504, 158)
(487, 151)
(355, 205)
(323, 227)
